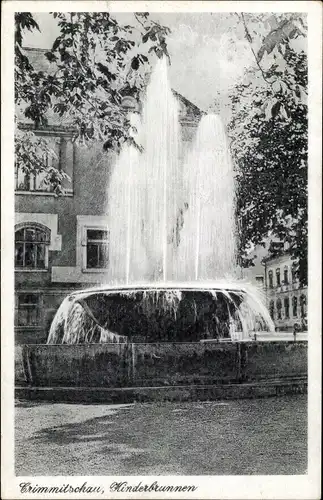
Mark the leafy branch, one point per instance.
(249, 39)
(94, 62)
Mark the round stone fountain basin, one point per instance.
(160, 312)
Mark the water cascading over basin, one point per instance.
(170, 217)
(186, 312)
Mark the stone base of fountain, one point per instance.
(163, 393)
(161, 341)
(164, 371)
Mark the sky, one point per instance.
(208, 51)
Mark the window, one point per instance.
(271, 280)
(28, 309)
(279, 309)
(278, 276)
(31, 247)
(294, 302)
(272, 309)
(286, 307)
(260, 280)
(302, 303)
(26, 181)
(31, 182)
(130, 104)
(294, 273)
(97, 246)
(286, 275)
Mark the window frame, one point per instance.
(270, 279)
(286, 275)
(39, 309)
(278, 277)
(286, 307)
(49, 162)
(260, 280)
(85, 229)
(294, 273)
(303, 306)
(46, 243)
(65, 158)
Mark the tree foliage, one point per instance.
(269, 142)
(93, 63)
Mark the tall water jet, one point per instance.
(160, 171)
(127, 257)
(207, 243)
(144, 191)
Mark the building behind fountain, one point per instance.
(60, 242)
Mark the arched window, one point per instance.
(130, 103)
(294, 302)
(286, 307)
(272, 309)
(278, 276)
(31, 246)
(279, 309)
(302, 303)
(270, 278)
(285, 275)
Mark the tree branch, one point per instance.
(249, 39)
(139, 21)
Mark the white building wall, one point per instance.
(285, 291)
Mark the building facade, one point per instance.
(274, 273)
(286, 298)
(61, 241)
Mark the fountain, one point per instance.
(144, 197)
(172, 312)
(172, 252)
(207, 246)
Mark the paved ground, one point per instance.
(262, 436)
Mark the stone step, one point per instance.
(212, 392)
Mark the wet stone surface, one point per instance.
(243, 437)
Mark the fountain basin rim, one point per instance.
(162, 286)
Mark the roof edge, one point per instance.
(185, 101)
